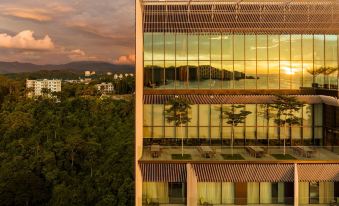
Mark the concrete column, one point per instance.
(296, 185)
(138, 99)
(192, 187)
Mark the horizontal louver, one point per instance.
(152, 172)
(228, 16)
(244, 172)
(318, 172)
(236, 99)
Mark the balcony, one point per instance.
(240, 154)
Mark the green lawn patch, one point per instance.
(181, 157)
(232, 157)
(283, 157)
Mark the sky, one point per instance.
(61, 31)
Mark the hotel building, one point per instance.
(221, 53)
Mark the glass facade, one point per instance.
(259, 127)
(253, 193)
(238, 61)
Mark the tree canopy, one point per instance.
(78, 151)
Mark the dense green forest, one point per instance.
(78, 151)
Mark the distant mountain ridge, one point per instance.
(18, 67)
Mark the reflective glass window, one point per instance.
(307, 47)
(169, 46)
(285, 47)
(204, 47)
(193, 45)
(227, 67)
(169, 74)
(319, 44)
(204, 75)
(216, 47)
(158, 114)
(331, 47)
(262, 47)
(181, 47)
(148, 46)
(148, 74)
(239, 74)
(296, 74)
(273, 75)
(216, 75)
(181, 75)
(273, 47)
(307, 73)
(239, 46)
(158, 46)
(296, 47)
(250, 47)
(227, 47)
(251, 76)
(193, 74)
(262, 74)
(158, 74)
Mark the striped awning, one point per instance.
(233, 99)
(244, 172)
(161, 172)
(318, 172)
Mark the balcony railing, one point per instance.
(240, 153)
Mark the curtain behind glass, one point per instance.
(209, 192)
(304, 193)
(252, 192)
(265, 192)
(227, 193)
(156, 192)
(326, 192)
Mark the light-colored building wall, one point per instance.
(139, 67)
(105, 87)
(37, 86)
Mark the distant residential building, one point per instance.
(37, 86)
(87, 73)
(105, 87)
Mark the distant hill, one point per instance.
(17, 67)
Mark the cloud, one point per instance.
(125, 59)
(25, 13)
(96, 29)
(61, 8)
(80, 55)
(25, 40)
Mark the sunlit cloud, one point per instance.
(25, 40)
(26, 13)
(125, 59)
(75, 31)
(80, 55)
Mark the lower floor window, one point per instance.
(318, 192)
(164, 192)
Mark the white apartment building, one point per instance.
(40, 84)
(105, 87)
